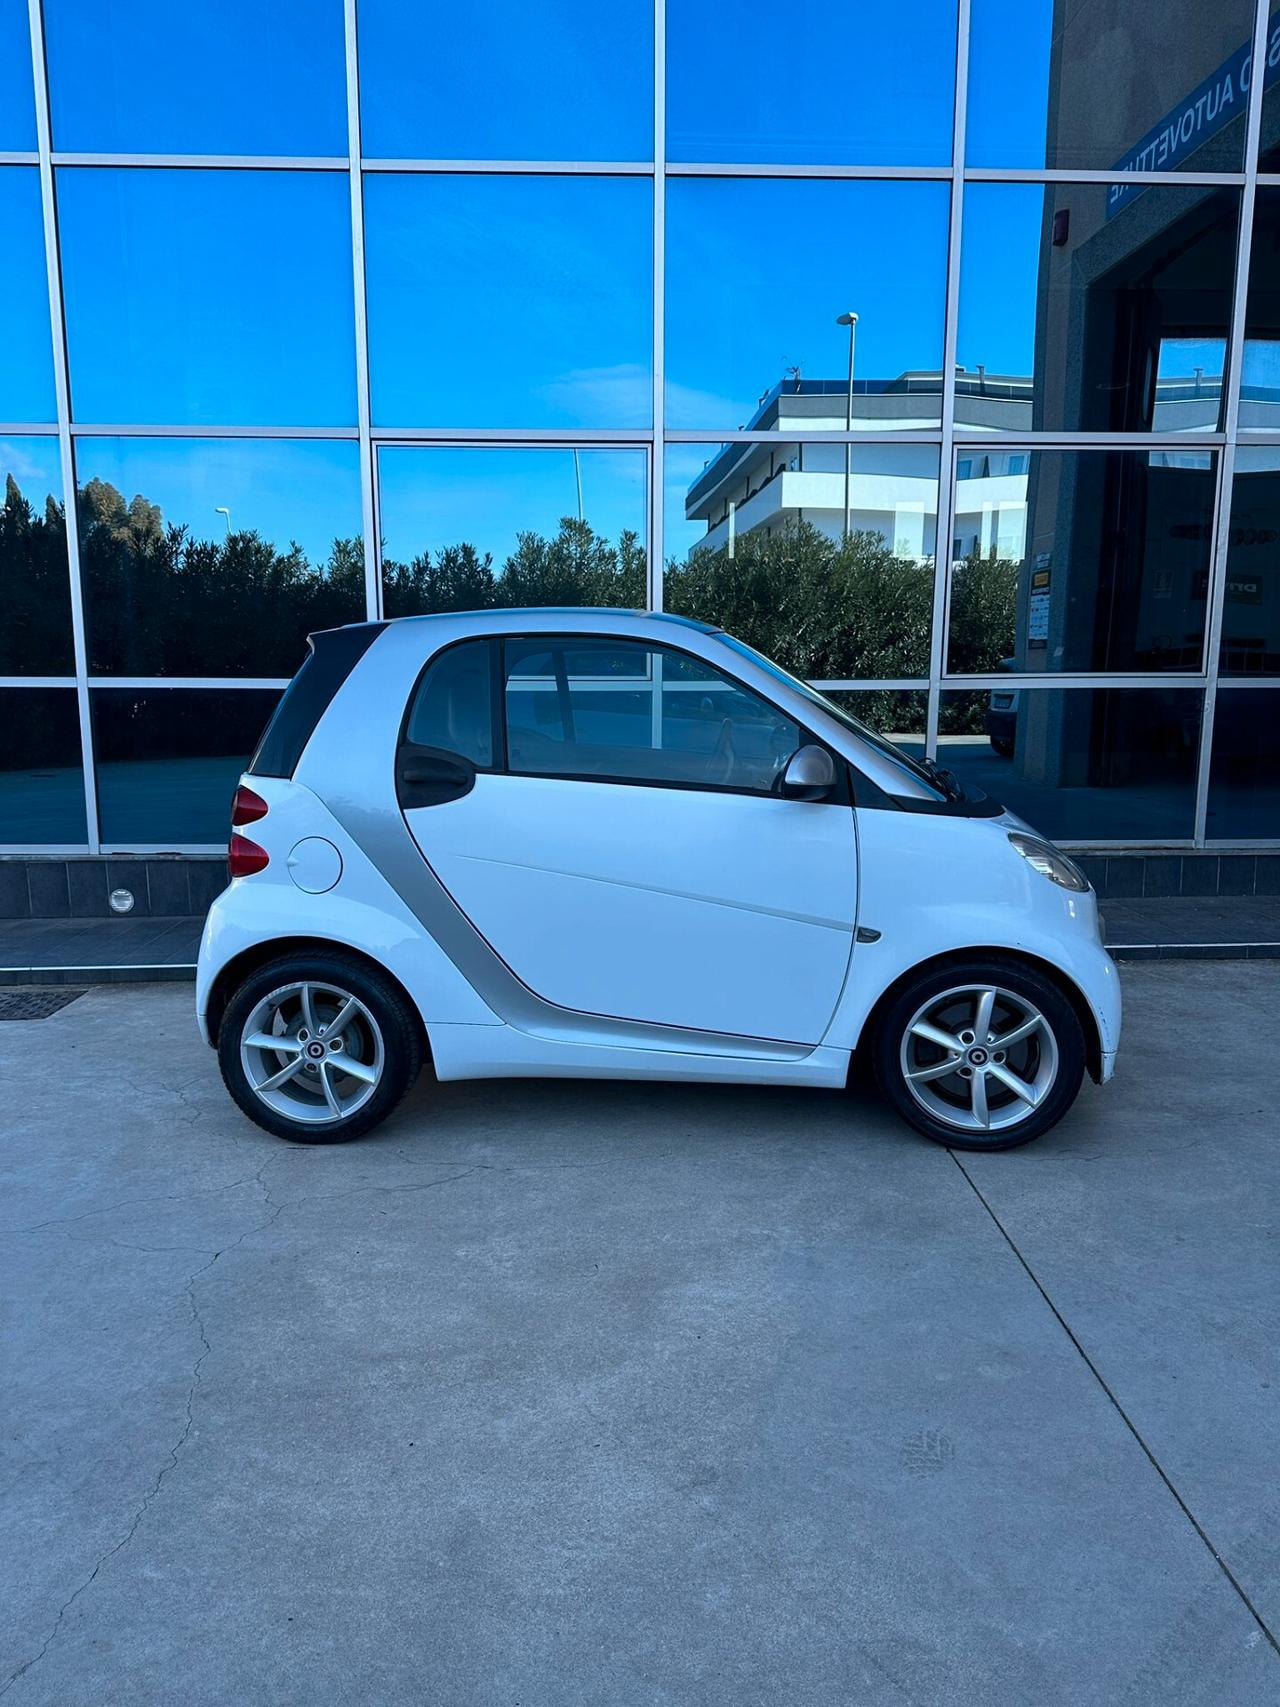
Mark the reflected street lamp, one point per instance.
(851, 321)
(222, 510)
(577, 475)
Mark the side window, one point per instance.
(622, 710)
(452, 708)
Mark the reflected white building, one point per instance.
(893, 489)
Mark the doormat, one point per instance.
(34, 1004)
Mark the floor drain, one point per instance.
(34, 1004)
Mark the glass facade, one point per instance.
(955, 388)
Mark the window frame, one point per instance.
(840, 796)
(842, 793)
(497, 735)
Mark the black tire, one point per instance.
(1058, 1014)
(399, 1024)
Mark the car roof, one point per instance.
(578, 616)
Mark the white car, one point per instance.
(609, 844)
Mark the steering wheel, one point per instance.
(723, 761)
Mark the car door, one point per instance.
(605, 813)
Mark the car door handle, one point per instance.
(428, 778)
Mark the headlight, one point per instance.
(1049, 862)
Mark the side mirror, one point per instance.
(810, 774)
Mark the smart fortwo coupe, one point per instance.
(605, 844)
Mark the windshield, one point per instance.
(914, 768)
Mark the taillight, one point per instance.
(247, 807)
(245, 857)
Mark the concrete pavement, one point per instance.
(614, 1394)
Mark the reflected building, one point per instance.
(892, 488)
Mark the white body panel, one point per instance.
(935, 886)
(598, 929)
(361, 911)
(720, 912)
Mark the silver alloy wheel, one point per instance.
(979, 1058)
(312, 1052)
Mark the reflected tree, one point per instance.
(35, 635)
(576, 567)
(824, 608)
(984, 591)
(456, 578)
(160, 602)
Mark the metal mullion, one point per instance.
(944, 524)
(148, 850)
(1009, 679)
(657, 452)
(1213, 641)
(368, 473)
(498, 438)
(18, 157)
(526, 168)
(755, 169)
(1090, 175)
(29, 429)
(1049, 440)
(41, 850)
(62, 393)
(1130, 844)
(1232, 380)
(820, 435)
(1227, 684)
(148, 683)
(513, 435)
(872, 684)
(654, 574)
(374, 448)
(206, 162)
(37, 681)
(133, 430)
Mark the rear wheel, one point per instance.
(318, 1048)
(980, 1056)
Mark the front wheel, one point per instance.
(318, 1048)
(983, 1055)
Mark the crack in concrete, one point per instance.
(391, 1190)
(175, 1451)
(132, 1202)
(519, 1167)
(154, 1250)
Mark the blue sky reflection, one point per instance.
(562, 80)
(214, 298)
(758, 270)
(306, 490)
(436, 496)
(814, 82)
(509, 301)
(197, 77)
(26, 377)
